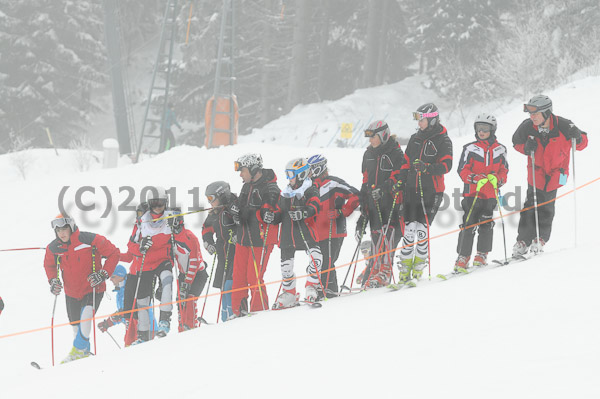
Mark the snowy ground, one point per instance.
(525, 330)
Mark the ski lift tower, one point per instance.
(221, 114)
(158, 96)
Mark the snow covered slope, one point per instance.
(524, 330)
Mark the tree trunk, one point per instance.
(298, 80)
(373, 34)
(323, 48)
(383, 38)
(265, 75)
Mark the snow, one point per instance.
(523, 330)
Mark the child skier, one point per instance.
(298, 205)
(483, 168)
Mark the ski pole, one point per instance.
(427, 222)
(93, 300)
(329, 256)
(262, 301)
(208, 288)
(113, 338)
(224, 275)
(494, 183)
(537, 223)
(52, 328)
(353, 256)
(181, 307)
(137, 287)
(573, 147)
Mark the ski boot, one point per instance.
(164, 326)
(382, 278)
(75, 354)
(537, 246)
(142, 336)
(462, 263)
(312, 293)
(418, 266)
(520, 249)
(287, 299)
(405, 266)
(480, 259)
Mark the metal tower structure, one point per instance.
(221, 114)
(158, 96)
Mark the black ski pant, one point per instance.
(413, 207)
(329, 279)
(482, 211)
(545, 216)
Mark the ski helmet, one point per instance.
(62, 220)
(378, 128)
(539, 103)
(217, 190)
(428, 111)
(120, 271)
(485, 121)
(318, 165)
(158, 197)
(251, 161)
(298, 168)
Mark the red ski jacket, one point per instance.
(553, 152)
(189, 256)
(481, 157)
(334, 193)
(159, 252)
(76, 259)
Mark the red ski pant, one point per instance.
(245, 268)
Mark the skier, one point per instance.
(483, 167)
(118, 279)
(191, 268)
(150, 249)
(298, 207)
(381, 200)
(338, 200)
(549, 138)
(220, 222)
(256, 237)
(76, 257)
(429, 153)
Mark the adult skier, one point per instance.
(150, 249)
(338, 200)
(547, 138)
(429, 153)
(381, 200)
(298, 206)
(255, 236)
(192, 271)
(76, 257)
(220, 223)
(483, 167)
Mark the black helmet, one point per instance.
(428, 111)
(218, 190)
(539, 103)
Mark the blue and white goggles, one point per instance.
(291, 173)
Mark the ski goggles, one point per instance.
(532, 109)
(211, 197)
(420, 115)
(157, 202)
(61, 222)
(291, 173)
(483, 127)
(373, 132)
(237, 166)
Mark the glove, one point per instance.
(574, 133)
(530, 145)
(232, 238)
(474, 178)
(298, 215)
(360, 228)
(420, 166)
(97, 278)
(106, 324)
(376, 194)
(396, 188)
(333, 214)
(55, 286)
(493, 180)
(234, 211)
(210, 248)
(184, 289)
(269, 217)
(145, 244)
